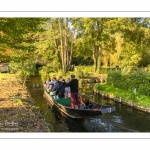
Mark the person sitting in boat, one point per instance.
(63, 84)
(60, 92)
(55, 85)
(48, 80)
(47, 83)
(60, 80)
(83, 101)
(50, 86)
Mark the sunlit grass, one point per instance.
(14, 103)
(140, 99)
(1, 76)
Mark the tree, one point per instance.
(57, 44)
(97, 33)
(136, 37)
(17, 35)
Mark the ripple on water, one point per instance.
(117, 119)
(99, 125)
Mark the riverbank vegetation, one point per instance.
(120, 94)
(137, 79)
(133, 86)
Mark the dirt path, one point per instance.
(18, 112)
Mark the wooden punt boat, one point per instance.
(63, 105)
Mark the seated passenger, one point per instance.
(50, 86)
(47, 81)
(45, 85)
(55, 85)
(84, 101)
(60, 80)
(60, 92)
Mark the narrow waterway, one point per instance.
(124, 119)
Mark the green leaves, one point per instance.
(133, 96)
(18, 35)
(98, 41)
(135, 81)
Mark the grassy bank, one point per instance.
(125, 95)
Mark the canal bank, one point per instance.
(119, 99)
(17, 108)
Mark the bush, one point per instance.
(98, 86)
(134, 80)
(114, 78)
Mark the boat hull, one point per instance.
(74, 113)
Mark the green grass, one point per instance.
(125, 95)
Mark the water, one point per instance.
(124, 119)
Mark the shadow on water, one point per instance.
(124, 119)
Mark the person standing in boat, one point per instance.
(73, 84)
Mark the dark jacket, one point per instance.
(73, 84)
(55, 86)
(60, 91)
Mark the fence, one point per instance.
(4, 67)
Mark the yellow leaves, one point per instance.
(86, 20)
(1, 33)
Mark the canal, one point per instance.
(124, 119)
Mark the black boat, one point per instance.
(63, 105)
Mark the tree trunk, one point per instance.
(61, 45)
(66, 46)
(94, 57)
(56, 46)
(99, 48)
(99, 59)
(69, 52)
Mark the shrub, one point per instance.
(134, 80)
(114, 78)
(98, 86)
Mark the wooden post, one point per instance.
(149, 109)
(120, 99)
(131, 103)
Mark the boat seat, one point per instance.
(63, 101)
